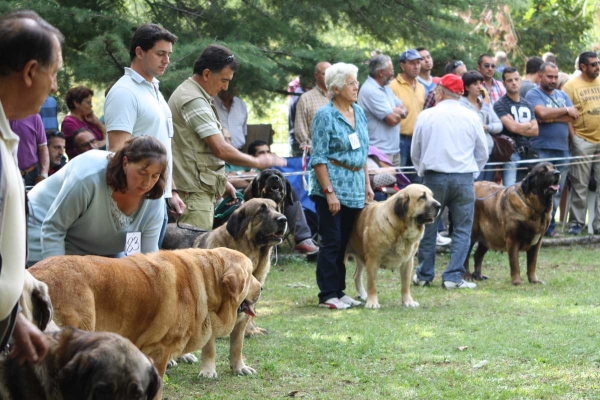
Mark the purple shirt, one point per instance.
(69, 125)
(31, 133)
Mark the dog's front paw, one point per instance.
(410, 303)
(208, 373)
(362, 295)
(372, 304)
(480, 277)
(243, 369)
(517, 282)
(468, 277)
(536, 281)
(171, 364)
(255, 331)
(188, 358)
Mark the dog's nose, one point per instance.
(556, 173)
(274, 178)
(282, 219)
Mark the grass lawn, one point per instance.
(494, 342)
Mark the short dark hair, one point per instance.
(77, 95)
(585, 57)
(53, 133)
(533, 64)
(508, 70)
(138, 149)
(545, 65)
(146, 37)
(420, 48)
(469, 78)
(480, 59)
(21, 42)
(71, 144)
(214, 58)
(252, 146)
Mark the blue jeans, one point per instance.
(488, 172)
(334, 231)
(510, 175)
(564, 171)
(406, 161)
(456, 192)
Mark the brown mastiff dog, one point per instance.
(167, 303)
(253, 229)
(387, 234)
(513, 219)
(82, 365)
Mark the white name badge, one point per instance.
(133, 243)
(170, 126)
(354, 142)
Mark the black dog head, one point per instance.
(271, 184)
(542, 181)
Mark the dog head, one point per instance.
(102, 365)
(270, 184)
(542, 181)
(258, 220)
(35, 302)
(416, 202)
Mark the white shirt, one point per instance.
(449, 138)
(136, 106)
(12, 220)
(235, 120)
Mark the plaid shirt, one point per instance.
(496, 91)
(307, 107)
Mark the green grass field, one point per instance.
(495, 342)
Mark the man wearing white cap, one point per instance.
(449, 149)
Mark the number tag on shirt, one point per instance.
(170, 126)
(133, 243)
(354, 142)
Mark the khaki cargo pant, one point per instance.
(200, 209)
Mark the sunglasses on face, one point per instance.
(594, 64)
(489, 65)
(229, 58)
(457, 64)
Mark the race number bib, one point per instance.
(133, 243)
(354, 142)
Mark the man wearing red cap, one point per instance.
(449, 149)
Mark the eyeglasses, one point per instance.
(88, 145)
(353, 83)
(593, 64)
(489, 65)
(229, 58)
(457, 64)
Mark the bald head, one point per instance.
(320, 69)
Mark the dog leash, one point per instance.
(189, 228)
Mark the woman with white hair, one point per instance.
(339, 181)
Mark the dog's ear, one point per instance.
(42, 306)
(528, 183)
(75, 377)
(237, 224)
(154, 384)
(254, 191)
(290, 193)
(401, 205)
(233, 282)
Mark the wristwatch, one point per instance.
(328, 189)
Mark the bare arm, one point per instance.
(226, 152)
(547, 113)
(520, 128)
(394, 118)
(117, 139)
(44, 158)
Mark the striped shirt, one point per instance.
(496, 91)
(308, 105)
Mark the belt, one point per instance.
(28, 170)
(339, 164)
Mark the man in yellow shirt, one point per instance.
(584, 92)
(411, 92)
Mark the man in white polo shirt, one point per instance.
(135, 107)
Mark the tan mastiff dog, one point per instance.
(513, 219)
(167, 303)
(82, 365)
(387, 234)
(253, 229)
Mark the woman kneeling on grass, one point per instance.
(338, 179)
(101, 204)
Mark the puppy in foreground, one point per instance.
(387, 234)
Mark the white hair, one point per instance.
(335, 76)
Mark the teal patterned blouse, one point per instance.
(330, 132)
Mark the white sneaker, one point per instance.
(334, 304)
(442, 240)
(418, 282)
(349, 300)
(458, 285)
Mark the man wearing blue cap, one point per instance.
(411, 92)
